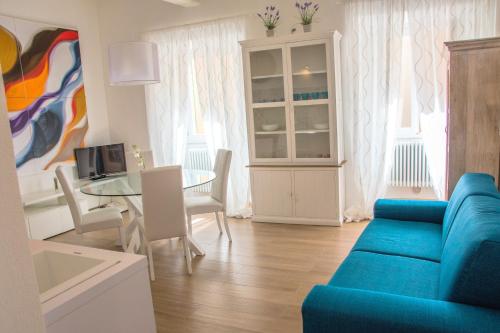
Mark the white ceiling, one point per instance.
(184, 3)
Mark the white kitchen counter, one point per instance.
(92, 290)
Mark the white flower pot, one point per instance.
(270, 33)
(307, 27)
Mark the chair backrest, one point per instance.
(221, 169)
(469, 184)
(69, 194)
(131, 161)
(163, 203)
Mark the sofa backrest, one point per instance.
(470, 262)
(468, 185)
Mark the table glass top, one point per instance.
(130, 184)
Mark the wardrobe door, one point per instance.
(474, 109)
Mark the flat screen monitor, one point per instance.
(100, 161)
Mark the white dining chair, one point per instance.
(164, 216)
(134, 203)
(99, 219)
(215, 201)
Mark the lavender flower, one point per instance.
(270, 17)
(306, 11)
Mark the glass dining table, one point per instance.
(128, 186)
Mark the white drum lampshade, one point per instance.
(133, 63)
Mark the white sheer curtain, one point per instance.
(371, 60)
(219, 78)
(431, 23)
(202, 68)
(168, 103)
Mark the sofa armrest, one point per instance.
(410, 210)
(329, 309)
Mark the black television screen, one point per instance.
(94, 162)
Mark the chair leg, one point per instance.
(226, 226)
(142, 239)
(123, 238)
(187, 254)
(151, 266)
(218, 222)
(190, 225)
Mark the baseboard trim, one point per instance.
(295, 220)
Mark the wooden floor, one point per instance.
(255, 284)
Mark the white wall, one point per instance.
(125, 20)
(20, 310)
(118, 114)
(82, 15)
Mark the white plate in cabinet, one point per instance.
(272, 192)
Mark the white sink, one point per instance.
(86, 290)
(57, 271)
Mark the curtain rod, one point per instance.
(244, 15)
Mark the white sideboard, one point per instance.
(298, 195)
(294, 121)
(45, 209)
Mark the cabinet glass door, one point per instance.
(270, 132)
(266, 70)
(309, 72)
(311, 114)
(312, 131)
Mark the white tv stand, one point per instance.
(45, 208)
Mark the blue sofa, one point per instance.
(419, 266)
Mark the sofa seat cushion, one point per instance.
(388, 274)
(419, 240)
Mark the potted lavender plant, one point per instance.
(270, 18)
(307, 10)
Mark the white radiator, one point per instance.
(197, 158)
(410, 168)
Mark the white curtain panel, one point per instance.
(371, 61)
(219, 79)
(168, 103)
(201, 66)
(431, 23)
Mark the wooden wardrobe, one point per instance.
(474, 109)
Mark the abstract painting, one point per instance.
(42, 73)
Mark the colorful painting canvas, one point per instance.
(42, 73)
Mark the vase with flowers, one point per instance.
(270, 18)
(138, 157)
(307, 10)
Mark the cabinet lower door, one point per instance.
(316, 194)
(272, 193)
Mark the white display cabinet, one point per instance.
(294, 116)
